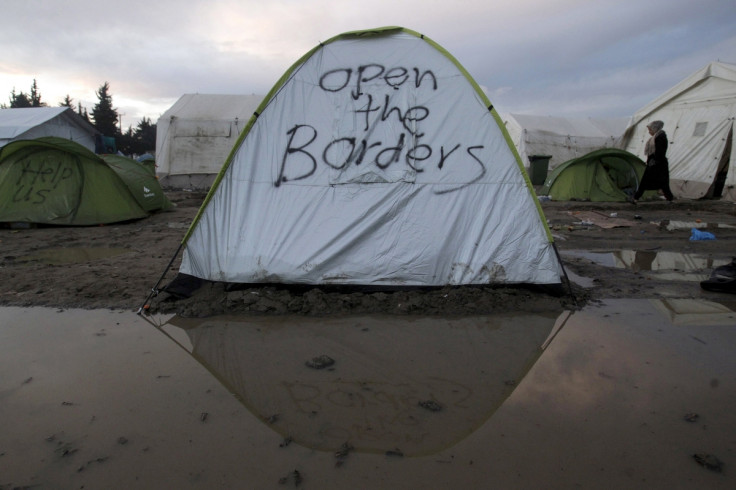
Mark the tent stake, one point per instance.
(154, 289)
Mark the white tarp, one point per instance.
(698, 115)
(28, 123)
(562, 138)
(376, 161)
(195, 136)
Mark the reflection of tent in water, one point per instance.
(56, 181)
(413, 385)
(649, 260)
(603, 175)
(672, 266)
(375, 160)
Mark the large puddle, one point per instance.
(668, 265)
(411, 386)
(624, 394)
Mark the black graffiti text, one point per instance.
(38, 178)
(340, 78)
(409, 118)
(300, 159)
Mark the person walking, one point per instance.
(657, 174)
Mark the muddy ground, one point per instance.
(116, 266)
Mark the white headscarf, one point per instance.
(649, 147)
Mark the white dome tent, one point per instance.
(375, 160)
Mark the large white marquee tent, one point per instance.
(28, 123)
(195, 136)
(698, 115)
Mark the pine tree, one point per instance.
(23, 99)
(140, 140)
(19, 100)
(36, 96)
(82, 111)
(145, 136)
(126, 141)
(105, 117)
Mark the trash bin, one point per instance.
(538, 167)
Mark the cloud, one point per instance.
(561, 57)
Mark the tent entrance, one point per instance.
(620, 176)
(716, 189)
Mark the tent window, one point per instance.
(200, 128)
(700, 129)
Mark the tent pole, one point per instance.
(154, 289)
(564, 272)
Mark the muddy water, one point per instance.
(407, 386)
(620, 395)
(672, 266)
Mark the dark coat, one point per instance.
(657, 174)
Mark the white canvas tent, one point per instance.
(374, 160)
(195, 136)
(562, 138)
(698, 115)
(35, 122)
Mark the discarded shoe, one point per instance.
(722, 279)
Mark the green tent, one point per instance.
(602, 175)
(141, 181)
(148, 161)
(57, 181)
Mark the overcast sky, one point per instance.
(590, 58)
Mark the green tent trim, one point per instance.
(59, 182)
(605, 175)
